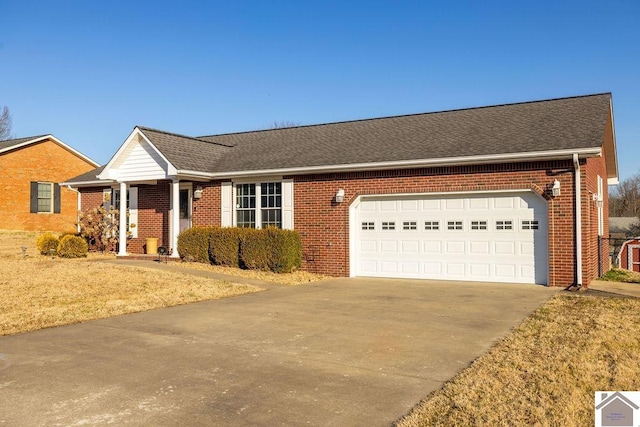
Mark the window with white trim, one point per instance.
(454, 225)
(246, 205)
(271, 202)
(45, 197)
(506, 224)
(368, 225)
(478, 225)
(259, 205)
(388, 225)
(530, 224)
(432, 225)
(409, 225)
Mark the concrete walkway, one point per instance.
(171, 266)
(343, 352)
(627, 289)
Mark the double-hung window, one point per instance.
(45, 197)
(259, 205)
(246, 205)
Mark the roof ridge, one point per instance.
(407, 115)
(143, 128)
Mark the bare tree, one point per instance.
(6, 124)
(624, 199)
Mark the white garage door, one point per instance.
(496, 237)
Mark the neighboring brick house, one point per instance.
(484, 194)
(31, 197)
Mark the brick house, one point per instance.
(486, 194)
(31, 197)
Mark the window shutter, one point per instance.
(56, 198)
(287, 204)
(34, 197)
(133, 211)
(226, 202)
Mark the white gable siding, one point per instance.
(140, 162)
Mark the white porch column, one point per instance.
(122, 233)
(175, 217)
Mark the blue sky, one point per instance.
(89, 71)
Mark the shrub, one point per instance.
(46, 242)
(254, 250)
(286, 250)
(271, 249)
(193, 244)
(99, 227)
(72, 247)
(224, 246)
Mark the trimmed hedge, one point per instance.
(193, 244)
(271, 249)
(72, 247)
(224, 245)
(46, 242)
(268, 249)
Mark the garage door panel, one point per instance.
(454, 204)
(432, 247)
(504, 248)
(479, 204)
(456, 269)
(479, 237)
(368, 246)
(410, 246)
(479, 247)
(483, 270)
(454, 247)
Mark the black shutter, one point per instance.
(56, 198)
(34, 197)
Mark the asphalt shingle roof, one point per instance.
(567, 123)
(187, 153)
(537, 126)
(14, 142)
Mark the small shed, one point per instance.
(629, 256)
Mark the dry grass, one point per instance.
(620, 275)
(39, 292)
(296, 278)
(546, 372)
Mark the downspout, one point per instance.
(576, 166)
(79, 206)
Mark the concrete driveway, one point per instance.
(340, 352)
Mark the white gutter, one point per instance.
(79, 195)
(576, 165)
(406, 164)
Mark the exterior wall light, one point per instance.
(599, 200)
(340, 196)
(198, 193)
(555, 190)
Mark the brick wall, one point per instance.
(324, 227)
(41, 162)
(323, 224)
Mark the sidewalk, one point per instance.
(628, 289)
(170, 266)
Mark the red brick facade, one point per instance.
(324, 225)
(45, 161)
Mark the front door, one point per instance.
(185, 209)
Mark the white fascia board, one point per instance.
(614, 175)
(97, 183)
(106, 172)
(407, 164)
(57, 141)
